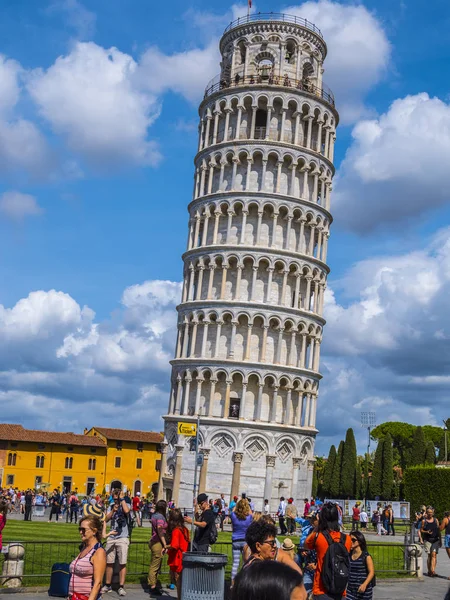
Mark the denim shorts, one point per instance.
(447, 541)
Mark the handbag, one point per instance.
(77, 596)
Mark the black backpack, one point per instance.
(336, 565)
(213, 535)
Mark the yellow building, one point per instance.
(90, 463)
(133, 458)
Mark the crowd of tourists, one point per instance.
(327, 563)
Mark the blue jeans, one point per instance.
(308, 579)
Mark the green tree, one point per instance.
(335, 486)
(348, 466)
(327, 473)
(418, 448)
(377, 471)
(387, 478)
(430, 453)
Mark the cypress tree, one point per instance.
(335, 487)
(348, 466)
(430, 453)
(387, 479)
(377, 472)
(418, 447)
(328, 470)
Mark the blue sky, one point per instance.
(98, 130)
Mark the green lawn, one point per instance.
(48, 543)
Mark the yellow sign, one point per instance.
(188, 429)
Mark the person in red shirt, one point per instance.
(328, 521)
(137, 509)
(355, 516)
(306, 508)
(178, 535)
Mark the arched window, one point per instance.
(40, 461)
(12, 459)
(92, 464)
(68, 462)
(260, 124)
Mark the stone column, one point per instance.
(211, 397)
(238, 122)
(254, 279)
(203, 470)
(270, 465)
(216, 126)
(205, 339)
(217, 214)
(211, 176)
(283, 121)
(177, 476)
(193, 339)
(205, 228)
(248, 341)
(234, 324)
(293, 169)
(263, 175)
(178, 396)
(297, 127)
(243, 226)
(187, 388)
(235, 160)
(218, 333)
(279, 167)
(227, 124)
(259, 402)
(309, 476)
(224, 282)
(273, 241)
(273, 408)
(309, 132)
(200, 282)
(208, 127)
(301, 235)
(258, 227)
(226, 407)
(203, 168)
(319, 137)
(252, 127)
(283, 288)
(269, 118)
(288, 414)
(212, 268)
(242, 408)
(269, 284)
(249, 170)
(162, 471)
(197, 395)
(308, 294)
(296, 462)
(264, 343)
(237, 295)
(288, 233)
(236, 479)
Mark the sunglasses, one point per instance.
(271, 543)
(83, 530)
(353, 539)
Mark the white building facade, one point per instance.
(250, 322)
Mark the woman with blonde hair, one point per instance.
(241, 517)
(88, 569)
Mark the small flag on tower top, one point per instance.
(249, 3)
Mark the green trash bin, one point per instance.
(203, 576)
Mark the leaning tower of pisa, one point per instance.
(250, 320)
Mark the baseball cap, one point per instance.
(138, 493)
(202, 498)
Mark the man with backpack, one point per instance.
(205, 523)
(333, 558)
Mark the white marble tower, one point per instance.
(250, 321)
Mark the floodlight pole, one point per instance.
(367, 420)
(194, 499)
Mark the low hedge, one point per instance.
(429, 486)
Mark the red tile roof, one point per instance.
(129, 435)
(12, 432)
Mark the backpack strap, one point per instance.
(342, 538)
(328, 537)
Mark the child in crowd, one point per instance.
(178, 534)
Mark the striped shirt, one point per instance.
(82, 571)
(357, 576)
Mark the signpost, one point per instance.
(192, 430)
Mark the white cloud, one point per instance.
(396, 166)
(23, 149)
(54, 354)
(16, 206)
(380, 349)
(186, 73)
(358, 51)
(90, 97)
(77, 17)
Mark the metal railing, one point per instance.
(284, 18)
(394, 559)
(217, 84)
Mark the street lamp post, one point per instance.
(445, 440)
(368, 421)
